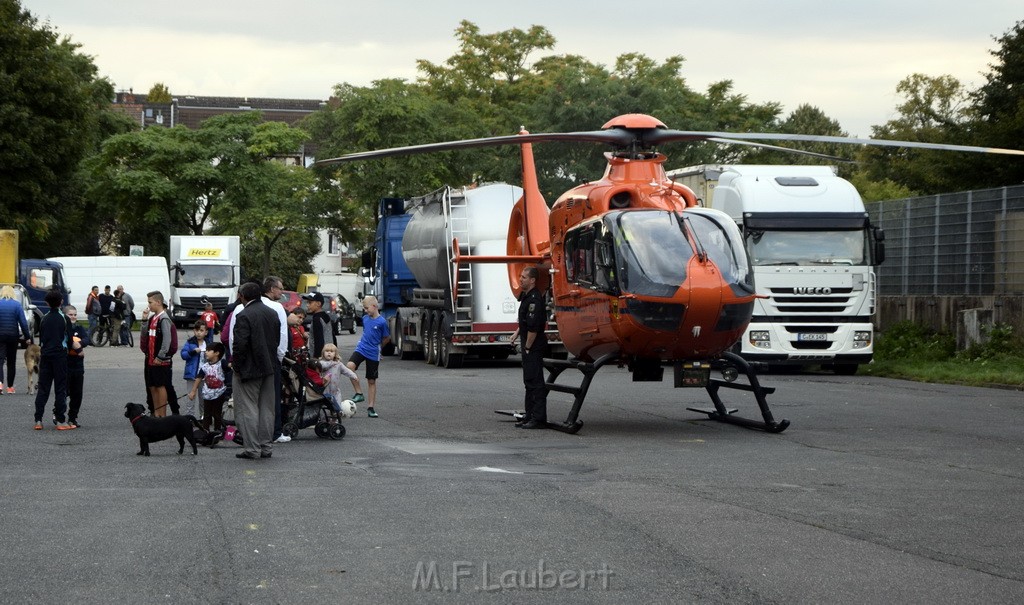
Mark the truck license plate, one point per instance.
(818, 336)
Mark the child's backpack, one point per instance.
(207, 438)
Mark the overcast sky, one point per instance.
(843, 57)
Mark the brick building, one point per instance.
(190, 111)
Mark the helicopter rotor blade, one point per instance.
(646, 138)
(617, 137)
(825, 156)
(657, 137)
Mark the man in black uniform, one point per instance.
(533, 344)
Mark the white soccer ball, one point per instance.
(348, 408)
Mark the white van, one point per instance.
(138, 274)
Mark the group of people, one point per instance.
(61, 364)
(256, 336)
(117, 308)
(62, 343)
(246, 365)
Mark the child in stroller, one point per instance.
(303, 404)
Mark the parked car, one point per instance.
(347, 315)
(289, 300)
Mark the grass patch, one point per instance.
(912, 352)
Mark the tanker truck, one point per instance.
(434, 309)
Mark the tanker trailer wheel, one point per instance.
(442, 343)
(452, 361)
(428, 337)
(399, 339)
(436, 335)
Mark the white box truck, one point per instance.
(813, 251)
(203, 268)
(138, 274)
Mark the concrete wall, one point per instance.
(941, 312)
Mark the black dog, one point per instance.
(151, 429)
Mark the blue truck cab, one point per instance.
(38, 276)
(391, 281)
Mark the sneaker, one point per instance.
(358, 398)
(283, 439)
(38, 426)
(10, 390)
(63, 426)
(73, 424)
(371, 412)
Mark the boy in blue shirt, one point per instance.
(375, 334)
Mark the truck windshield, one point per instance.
(769, 248)
(204, 276)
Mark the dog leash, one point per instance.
(168, 403)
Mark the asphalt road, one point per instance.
(881, 491)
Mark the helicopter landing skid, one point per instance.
(723, 414)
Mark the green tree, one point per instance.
(159, 93)
(491, 73)
(391, 113)
(805, 119)
(54, 110)
(153, 183)
(932, 110)
(999, 110)
(225, 177)
(290, 257)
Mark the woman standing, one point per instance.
(12, 319)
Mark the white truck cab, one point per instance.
(813, 251)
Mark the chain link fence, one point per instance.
(969, 243)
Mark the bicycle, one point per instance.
(127, 336)
(102, 334)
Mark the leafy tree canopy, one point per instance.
(54, 110)
(159, 93)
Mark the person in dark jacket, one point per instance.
(54, 337)
(76, 366)
(13, 328)
(533, 344)
(320, 324)
(255, 335)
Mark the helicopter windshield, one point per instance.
(646, 251)
(652, 251)
(719, 237)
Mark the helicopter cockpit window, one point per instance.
(652, 251)
(590, 258)
(719, 237)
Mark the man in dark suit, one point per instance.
(255, 334)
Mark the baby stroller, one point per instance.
(300, 412)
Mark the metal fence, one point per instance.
(969, 243)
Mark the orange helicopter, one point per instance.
(638, 273)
